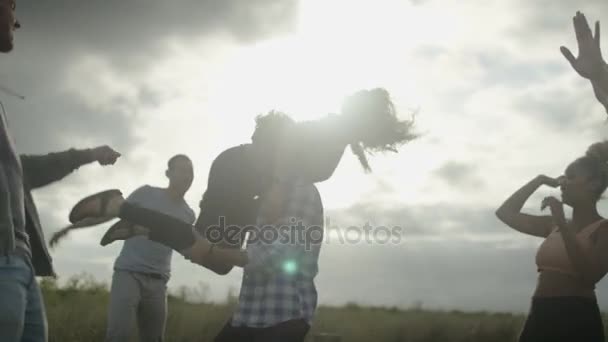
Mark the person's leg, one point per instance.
(289, 331)
(152, 311)
(106, 205)
(563, 319)
(164, 229)
(538, 325)
(35, 328)
(15, 279)
(124, 298)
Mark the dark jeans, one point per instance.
(566, 319)
(289, 331)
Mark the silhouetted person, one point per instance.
(23, 252)
(574, 254)
(143, 268)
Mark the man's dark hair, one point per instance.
(175, 158)
(271, 124)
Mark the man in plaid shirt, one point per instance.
(278, 296)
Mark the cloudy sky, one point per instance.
(497, 105)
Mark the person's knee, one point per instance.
(120, 325)
(12, 308)
(12, 321)
(152, 323)
(152, 330)
(118, 333)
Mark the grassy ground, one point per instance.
(77, 312)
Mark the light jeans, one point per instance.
(138, 295)
(22, 313)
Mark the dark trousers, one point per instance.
(563, 319)
(289, 331)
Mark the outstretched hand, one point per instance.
(589, 62)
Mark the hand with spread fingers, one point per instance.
(589, 62)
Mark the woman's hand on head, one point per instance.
(550, 181)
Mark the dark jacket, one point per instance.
(39, 171)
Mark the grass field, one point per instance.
(77, 312)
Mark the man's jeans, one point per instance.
(22, 314)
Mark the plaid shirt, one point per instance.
(278, 281)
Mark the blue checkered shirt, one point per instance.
(278, 281)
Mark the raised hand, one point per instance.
(550, 181)
(589, 63)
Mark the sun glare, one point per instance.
(338, 47)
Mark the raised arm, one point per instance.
(229, 197)
(510, 211)
(589, 63)
(600, 94)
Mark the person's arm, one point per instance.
(284, 255)
(599, 251)
(222, 199)
(585, 267)
(267, 259)
(6, 214)
(510, 211)
(589, 63)
(229, 256)
(41, 170)
(202, 250)
(600, 89)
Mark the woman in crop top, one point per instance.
(574, 254)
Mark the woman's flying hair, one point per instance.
(377, 128)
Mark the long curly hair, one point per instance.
(372, 116)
